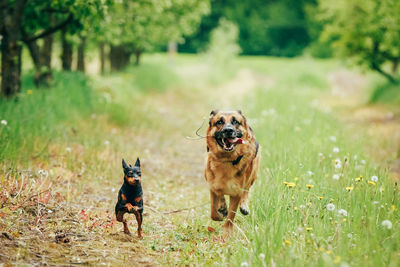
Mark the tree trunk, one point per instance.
(119, 57)
(102, 57)
(66, 56)
(47, 50)
(81, 55)
(138, 53)
(10, 29)
(42, 74)
(10, 65)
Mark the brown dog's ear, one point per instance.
(239, 111)
(212, 114)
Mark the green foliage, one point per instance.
(37, 113)
(223, 47)
(278, 28)
(388, 93)
(146, 24)
(366, 31)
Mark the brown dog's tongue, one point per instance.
(240, 141)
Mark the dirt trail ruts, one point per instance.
(82, 230)
(348, 97)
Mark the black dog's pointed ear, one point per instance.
(137, 164)
(124, 165)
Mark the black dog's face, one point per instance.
(132, 175)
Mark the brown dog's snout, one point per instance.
(229, 131)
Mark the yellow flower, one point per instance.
(29, 92)
(344, 219)
(337, 260)
(321, 249)
(309, 186)
(394, 207)
(371, 183)
(287, 242)
(309, 228)
(358, 179)
(329, 251)
(320, 198)
(290, 185)
(296, 178)
(285, 183)
(295, 208)
(326, 175)
(349, 188)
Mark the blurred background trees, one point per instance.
(366, 31)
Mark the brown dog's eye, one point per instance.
(235, 121)
(220, 122)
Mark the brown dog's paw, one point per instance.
(216, 216)
(223, 211)
(244, 209)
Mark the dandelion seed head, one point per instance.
(332, 138)
(330, 207)
(106, 142)
(4, 122)
(387, 224)
(335, 150)
(336, 177)
(261, 256)
(374, 178)
(310, 173)
(342, 212)
(349, 235)
(68, 149)
(244, 264)
(363, 162)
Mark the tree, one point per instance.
(266, 27)
(10, 25)
(135, 26)
(367, 31)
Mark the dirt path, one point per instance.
(348, 98)
(70, 220)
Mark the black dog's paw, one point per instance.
(244, 210)
(223, 211)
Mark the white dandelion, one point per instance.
(374, 178)
(387, 224)
(330, 207)
(335, 150)
(244, 264)
(338, 164)
(363, 162)
(4, 122)
(261, 256)
(336, 176)
(310, 173)
(68, 149)
(332, 138)
(106, 142)
(342, 212)
(349, 235)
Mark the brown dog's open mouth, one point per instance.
(228, 144)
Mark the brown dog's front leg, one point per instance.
(215, 199)
(233, 205)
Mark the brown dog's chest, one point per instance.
(226, 178)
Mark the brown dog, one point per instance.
(232, 164)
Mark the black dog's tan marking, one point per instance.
(130, 196)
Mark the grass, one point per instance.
(64, 147)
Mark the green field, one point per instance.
(314, 202)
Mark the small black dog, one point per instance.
(130, 196)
